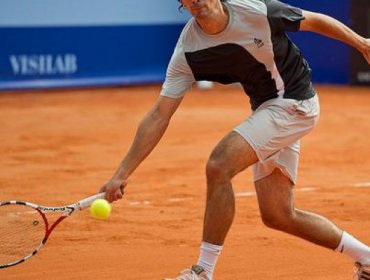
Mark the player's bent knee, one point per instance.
(215, 169)
(219, 169)
(277, 221)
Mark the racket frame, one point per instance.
(42, 210)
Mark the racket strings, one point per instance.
(22, 230)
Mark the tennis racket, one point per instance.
(24, 227)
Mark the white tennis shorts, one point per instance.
(274, 130)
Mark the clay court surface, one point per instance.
(60, 146)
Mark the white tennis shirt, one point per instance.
(253, 50)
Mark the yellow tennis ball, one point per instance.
(100, 209)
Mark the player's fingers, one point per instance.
(108, 197)
(118, 194)
(121, 191)
(114, 193)
(109, 194)
(114, 189)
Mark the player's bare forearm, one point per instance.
(333, 28)
(149, 133)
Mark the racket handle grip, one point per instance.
(84, 203)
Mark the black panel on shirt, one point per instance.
(283, 16)
(293, 68)
(231, 63)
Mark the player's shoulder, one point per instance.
(188, 34)
(248, 5)
(188, 29)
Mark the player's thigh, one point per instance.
(232, 154)
(275, 193)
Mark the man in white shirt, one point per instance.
(244, 41)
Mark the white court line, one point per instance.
(306, 190)
(243, 194)
(239, 194)
(146, 202)
(134, 203)
(362, 185)
(246, 194)
(177, 199)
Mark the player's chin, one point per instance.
(199, 13)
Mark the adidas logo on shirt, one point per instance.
(259, 43)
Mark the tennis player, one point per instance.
(244, 41)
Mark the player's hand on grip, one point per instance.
(114, 189)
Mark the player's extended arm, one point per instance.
(333, 28)
(149, 132)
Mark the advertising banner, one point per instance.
(54, 43)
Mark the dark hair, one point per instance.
(181, 6)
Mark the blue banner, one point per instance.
(47, 13)
(328, 58)
(51, 43)
(54, 43)
(80, 56)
